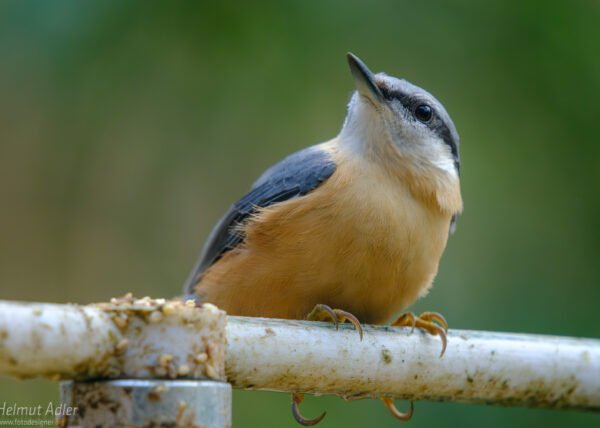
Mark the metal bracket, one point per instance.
(146, 403)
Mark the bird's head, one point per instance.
(385, 110)
(405, 128)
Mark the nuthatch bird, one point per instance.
(348, 230)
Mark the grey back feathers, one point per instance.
(294, 176)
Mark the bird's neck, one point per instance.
(364, 139)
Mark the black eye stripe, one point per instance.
(395, 95)
(407, 101)
(437, 123)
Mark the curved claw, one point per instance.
(407, 319)
(347, 316)
(432, 322)
(317, 314)
(402, 416)
(435, 316)
(440, 331)
(321, 312)
(296, 400)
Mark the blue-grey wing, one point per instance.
(294, 176)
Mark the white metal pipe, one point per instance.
(496, 368)
(512, 369)
(47, 340)
(135, 338)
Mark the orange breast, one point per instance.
(360, 242)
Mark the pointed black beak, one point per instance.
(364, 79)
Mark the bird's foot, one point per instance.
(402, 416)
(432, 322)
(296, 400)
(323, 312)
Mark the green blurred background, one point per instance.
(127, 128)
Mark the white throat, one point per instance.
(365, 130)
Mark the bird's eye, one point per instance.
(423, 112)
